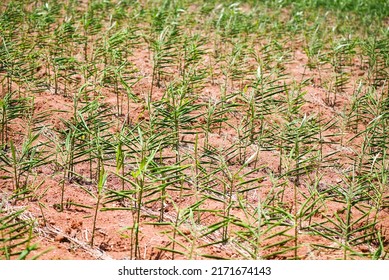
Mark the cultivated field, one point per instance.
(177, 129)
